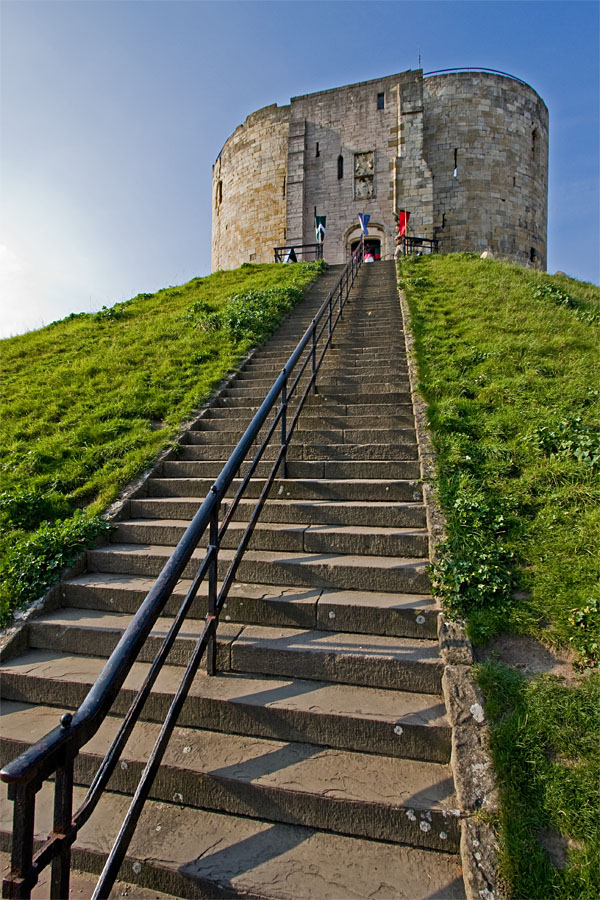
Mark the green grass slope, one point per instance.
(88, 403)
(508, 363)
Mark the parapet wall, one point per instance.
(466, 153)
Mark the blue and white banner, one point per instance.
(363, 218)
(320, 225)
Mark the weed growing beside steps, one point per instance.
(508, 364)
(88, 403)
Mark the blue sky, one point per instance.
(114, 112)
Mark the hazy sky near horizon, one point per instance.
(112, 114)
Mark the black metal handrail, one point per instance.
(296, 252)
(55, 754)
(412, 244)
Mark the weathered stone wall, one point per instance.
(345, 122)
(465, 153)
(486, 143)
(413, 180)
(249, 190)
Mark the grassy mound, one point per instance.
(88, 403)
(508, 363)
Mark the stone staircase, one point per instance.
(315, 764)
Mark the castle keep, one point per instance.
(464, 152)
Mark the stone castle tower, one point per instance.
(465, 152)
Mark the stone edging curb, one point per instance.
(474, 778)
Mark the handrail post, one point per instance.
(63, 811)
(284, 404)
(23, 796)
(213, 538)
(314, 356)
(330, 316)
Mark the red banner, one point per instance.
(403, 218)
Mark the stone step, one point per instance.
(330, 375)
(403, 664)
(333, 488)
(390, 397)
(335, 362)
(360, 389)
(360, 612)
(391, 393)
(189, 852)
(224, 406)
(304, 434)
(366, 573)
(307, 451)
(349, 348)
(300, 469)
(300, 784)
(347, 717)
(325, 512)
(82, 884)
(283, 536)
(310, 420)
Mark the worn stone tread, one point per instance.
(353, 793)
(82, 885)
(363, 612)
(317, 512)
(383, 573)
(193, 853)
(350, 717)
(335, 488)
(378, 661)
(389, 471)
(282, 535)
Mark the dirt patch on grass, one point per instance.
(557, 846)
(530, 656)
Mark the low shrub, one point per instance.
(23, 508)
(36, 561)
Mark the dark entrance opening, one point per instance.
(372, 248)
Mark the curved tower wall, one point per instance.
(485, 138)
(249, 203)
(465, 153)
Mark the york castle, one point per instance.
(464, 152)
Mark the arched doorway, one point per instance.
(376, 242)
(372, 248)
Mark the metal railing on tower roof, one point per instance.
(467, 69)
